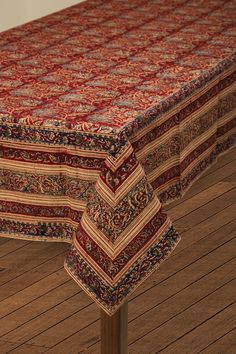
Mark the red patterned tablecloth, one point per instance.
(109, 109)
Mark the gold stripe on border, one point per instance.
(148, 148)
(111, 309)
(226, 118)
(113, 198)
(37, 219)
(104, 275)
(35, 238)
(159, 170)
(50, 170)
(139, 134)
(199, 140)
(42, 200)
(177, 128)
(115, 163)
(112, 249)
(196, 161)
(73, 150)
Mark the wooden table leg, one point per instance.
(114, 331)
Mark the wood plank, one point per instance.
(33, 292)
(174, 305)
(207, 232)
(92, 350)
(182, 279)
(28, 349)
(62, 330)
(205, 228)
(51, 265)
(65, 329)
(225, 344)
(188, 256)
(59, 311)
(37, 307)
(45, 321)
(187, 320)
(200, 199)
(212, 280)
(196, 340)
(68, 327)
(218, 172)
(209, 209)
(231, 178)
(220, 175)
(79, 342)
(114, 331)
(4, 240)
(13, 245)
(7, 347)
(28, 257)
(222, 160)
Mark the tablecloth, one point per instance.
(108, 110)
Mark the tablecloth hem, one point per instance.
(111, 309)
(34, 238)
(225, 150)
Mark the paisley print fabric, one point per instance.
(108, 110)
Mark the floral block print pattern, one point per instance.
(108, 110)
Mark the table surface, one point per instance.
(108, 63)
(106, 109)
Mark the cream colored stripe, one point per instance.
(223, 137)
(226, 134)
(190, 147)
(96, 235)
(114, 164)
(73, 150)
(138, 224)
(208, 106)
(165, 137)
(194, 144)
(148, 148)
(44, 169)
(188, 169)
(159, 170)
(173, 161)
(151, 242)
(182, 105)
(164, 186)
(37, 219)
(227, 90)
(91, 262)
(35, 238)
(44, 200)
(226, 118)
(199, 113)
(114, 198)
(126, 236)
(195, 162)
(164, 117)
(205, 136)
(99, 270)
(176, 179)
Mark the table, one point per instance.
(108, 111)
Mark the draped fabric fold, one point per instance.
(124, 233)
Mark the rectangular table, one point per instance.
(109, 110)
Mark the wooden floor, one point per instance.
(188, 306)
